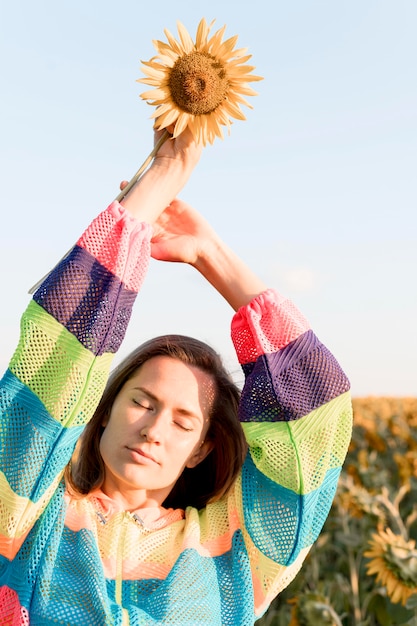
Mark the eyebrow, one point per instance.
(179, 410)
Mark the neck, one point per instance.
(135, 499)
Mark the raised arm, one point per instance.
(70, 331)
(295, 408)
(183, 235)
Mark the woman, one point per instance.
(163, 516)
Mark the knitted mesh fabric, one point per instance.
(11, 613)
(120, 244)
(219, 566)
(87, 286)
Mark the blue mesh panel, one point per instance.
(198, 591)
(28, 436)
(73, 594)
(25, 573)
(279, 521)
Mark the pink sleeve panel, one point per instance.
(267, 324)
(110, 236)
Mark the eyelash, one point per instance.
(149, 408)
(187, 430)
(143, 406)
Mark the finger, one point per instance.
(123, 184)
(159, 133)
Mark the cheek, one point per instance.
(117, 422)
(186, 448)
(103, 447)
(110, 438)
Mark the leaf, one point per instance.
(378, 607)
(412, 602)
(400, 615)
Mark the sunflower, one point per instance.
(394, 561)
(199, 85)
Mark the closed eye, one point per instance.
(183, 427)
(143, 405)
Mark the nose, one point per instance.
(152, 429)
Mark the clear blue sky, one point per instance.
(317, 189)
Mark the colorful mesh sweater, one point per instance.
(67, 561)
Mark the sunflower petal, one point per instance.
(239, 60)
(162, 108)
(168, 118)
(243, 69)
(165, 60)
(253, 78)
(242, 54)
(373, 569)
(153, 62)
(227, 46)
(153, 72)
(185, 37)
(175, 45)
(181, 123)
(201, 34)
(216, 40)
(223, 116)
(240, 100)
(156, 94)
(152, 82)
(160, 46)
(165, 50)
(233, 110)
(214, 128)
(246, 91)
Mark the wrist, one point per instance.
(170, 166)
(153, 192)
(228, 274)
(209, 257)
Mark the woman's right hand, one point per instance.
(183, 150)
(167, 175)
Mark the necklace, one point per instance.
(103, 516)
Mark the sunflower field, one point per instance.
(362, 571)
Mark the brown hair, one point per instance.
(212, 477)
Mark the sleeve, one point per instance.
(69, 333)
(296, 414)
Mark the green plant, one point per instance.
(362, 571)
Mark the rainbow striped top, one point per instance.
(80, 561)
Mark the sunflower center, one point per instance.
(198, 83)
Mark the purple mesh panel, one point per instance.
(289, 384)
(88, 300)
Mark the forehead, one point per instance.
(163, 365)
(174, 379)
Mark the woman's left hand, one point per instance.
(181, 234)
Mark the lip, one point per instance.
(141, 456)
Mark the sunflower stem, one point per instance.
(331, 611)
(120, 197)
(394, 512)
(143, 167)
(354, 577)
